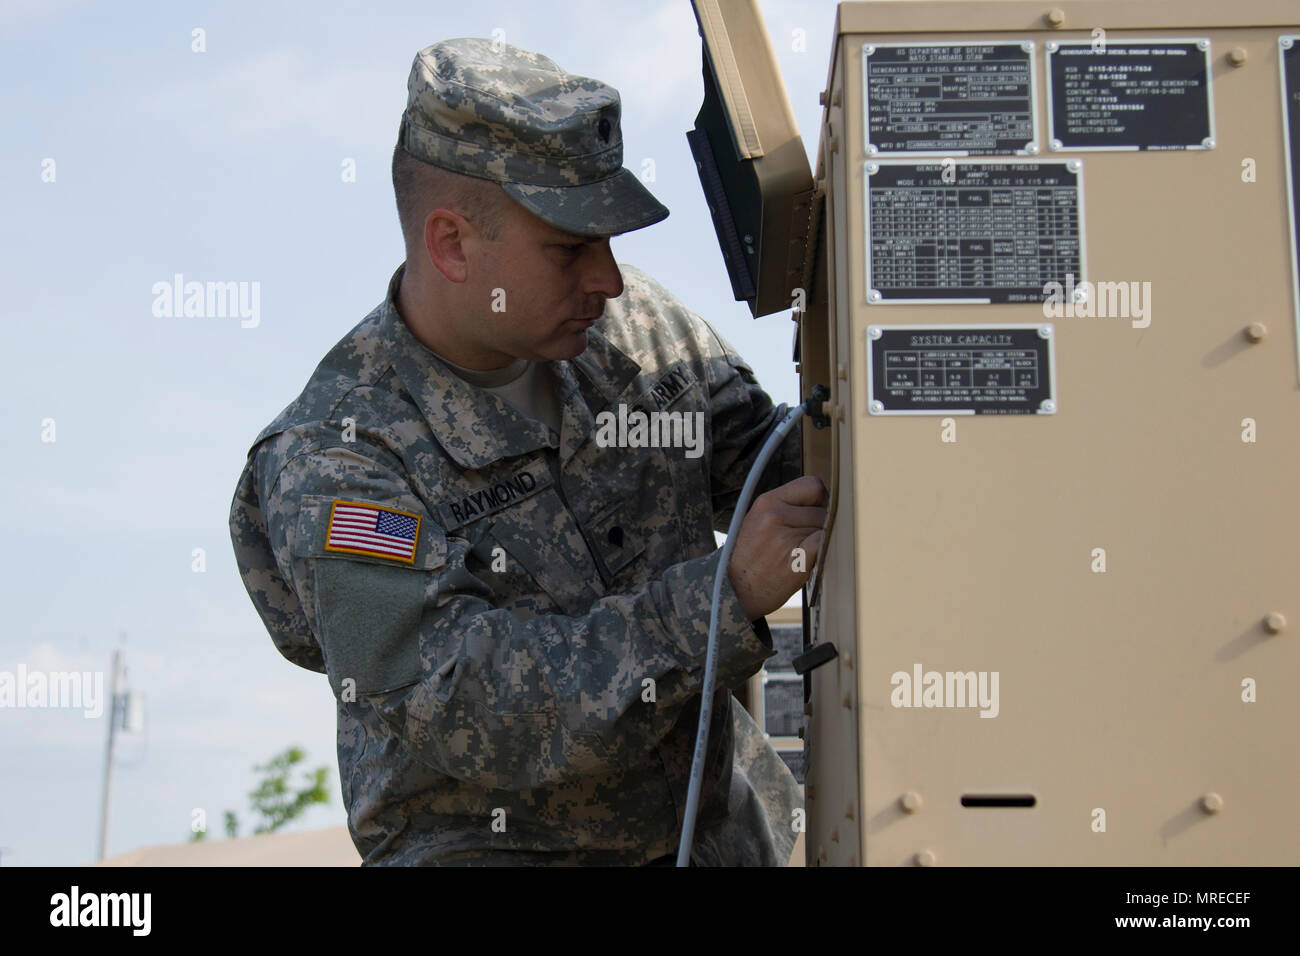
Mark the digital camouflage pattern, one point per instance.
(501, 675)
(552, 139)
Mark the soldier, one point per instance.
(511, 614)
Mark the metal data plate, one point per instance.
(950, 99)
(971, 231)
(961, 370)
(1129, 94)
(1289, 54)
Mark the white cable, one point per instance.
(711, 658)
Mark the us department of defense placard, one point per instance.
(950, 99)
(961, 370)
(1129, 94)
(968, 231)
(1289, 56)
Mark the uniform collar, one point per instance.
(476, 427)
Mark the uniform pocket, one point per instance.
(542, 538)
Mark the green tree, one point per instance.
(274, 800)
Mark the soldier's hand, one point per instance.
(765, 566)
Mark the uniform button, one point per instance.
(615, 536)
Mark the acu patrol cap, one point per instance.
(550, 138)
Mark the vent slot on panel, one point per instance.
(998, 800)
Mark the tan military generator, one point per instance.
(1047, 264)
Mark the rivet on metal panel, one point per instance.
(1055, 17)
(874, 296)
(1208, 142)
(1047, 405)
(1031, 149)
(1257, 331)
(1074, 166)
(1202, 44)
(1211, 803)
(1275, 623)
(924, 858)
(1056, 146)
(1237, 56)
(842, 372)
(877, 407)
(910, 801)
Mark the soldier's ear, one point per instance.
(444, 236)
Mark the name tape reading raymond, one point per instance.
(491, 498)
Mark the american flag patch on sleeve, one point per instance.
(357, 528)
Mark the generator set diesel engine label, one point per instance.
(960, 370)
(952, 99)
(970, 231)
(1148, 94)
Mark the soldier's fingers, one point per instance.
(804, 517)
(807, 490)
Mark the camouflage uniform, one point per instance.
(492, 679)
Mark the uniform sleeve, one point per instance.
(473, 691)
(743, 415)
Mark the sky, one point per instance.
(128, 157)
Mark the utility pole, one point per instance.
(108, 760)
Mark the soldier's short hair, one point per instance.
(420, 188)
